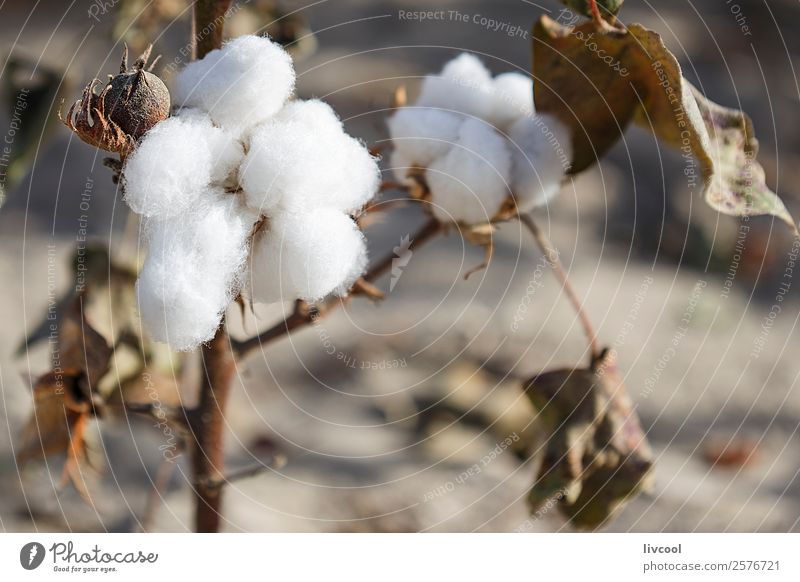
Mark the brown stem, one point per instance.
(551, 254)
(593, 8)
(207, 420)
(208, 25)
(207, 426)
(305, 313)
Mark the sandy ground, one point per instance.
(374, 407)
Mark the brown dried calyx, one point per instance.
(130, 105)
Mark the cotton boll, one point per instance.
(512, 99)
(169, 168)
(464, 85)
(357, 182)
(422, 133)
(541, 149)
(226, 148)
(400, 163)
(244, 83)
(307, 256)
(316, 115)
(274, 161)
(193, 270)
(302, 159)
(269, 280)
(173, 312)
(295, 152)
(469, 183)
(352, 173)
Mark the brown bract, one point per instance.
(597, 80)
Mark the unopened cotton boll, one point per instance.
(245, 82)
(422, 133)
(307, 256)
(541, 154)
(193, 269)
(470, 183)
(303, 159)
(171, 166)
(464, 86)
(512, 99)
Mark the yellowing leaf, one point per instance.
(598, 80)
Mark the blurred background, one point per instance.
(381, 409)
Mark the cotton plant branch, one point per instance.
(306, 313)
(552, 257)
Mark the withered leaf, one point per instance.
(81, 347)
(58, 424)
(596, 455)
(598, 80)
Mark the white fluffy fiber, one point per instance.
(541, 153)
(237, 151)
(245, 82)
(194, 269)
(175, 161)
(512, 98)
(464, 86)
(470, 182)
(423, 134)
(479, 141)
(303, 159)
(307, 256)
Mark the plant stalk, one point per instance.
(207, 425)
(551, 255)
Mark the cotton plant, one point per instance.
(477, 144)
(244, 189)
(248, 191)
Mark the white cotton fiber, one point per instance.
(194, 269)
(541, 154)
(359, 181)
(226, 149)
(175, 162)
(303, 159)
(512, 99)
(307, 256)
(400, 163)
(470, 182)
(464, 85)
(245, 82)
(422, 133)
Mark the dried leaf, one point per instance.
(596, 455)
(81, 347)
(58, 425)
(598, 80)
(738, 186)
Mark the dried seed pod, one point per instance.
(136, 99)
(596, 455)
(132, 103)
